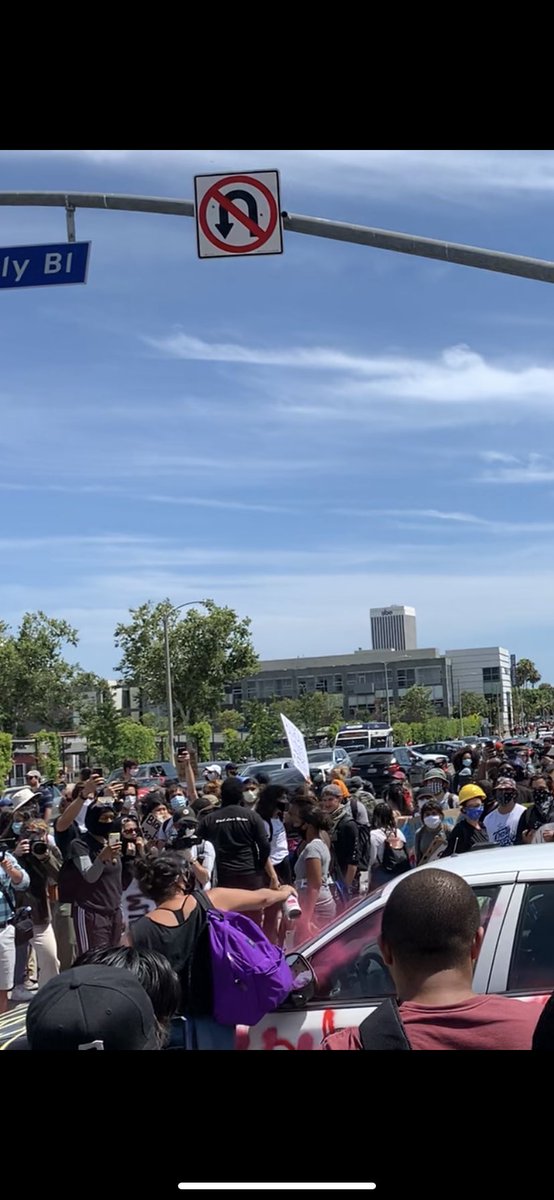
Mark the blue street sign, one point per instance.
(39, 266)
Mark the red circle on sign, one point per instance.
(215, 193)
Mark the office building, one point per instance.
(393, 628)
(356, 680)
(485, 670)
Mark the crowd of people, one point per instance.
(114, 880)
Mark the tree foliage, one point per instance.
(264, 727)
(314, 712)
(135, 740)
(201, 734)
(526, 673)
(49, 753)
(208, 650)
(6, 757)
(415, 705)
(235, 748)
(471, 702)
(36, 682)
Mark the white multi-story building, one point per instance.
(485, 670)
(393, 628)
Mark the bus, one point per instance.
(371, 735)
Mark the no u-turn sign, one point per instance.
(238, 214)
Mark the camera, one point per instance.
(37, 846)
(185, 840)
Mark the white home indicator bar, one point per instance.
(277, 1187)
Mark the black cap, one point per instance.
(92, 1008)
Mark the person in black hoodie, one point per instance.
(240, 840)
(540, 813)
(92, 878)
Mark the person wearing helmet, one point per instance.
(469, 830)
(502, 823)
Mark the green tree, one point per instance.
(402, 733)
(526, 672)
(265, 728)
(229, 718)
(6, 757)
(201, 734)
(471, 703)
(100, 726)
(315, 711)
(36, 682)
(415, 705)
(234, 747)
(135, 741)
(209, 650)
(49, 754)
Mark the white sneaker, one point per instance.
(22, 995)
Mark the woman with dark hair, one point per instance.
(311, 875)
(466, 760)
(383, 832)
(469, 830)
(153, 971)
(430, 840)
(174, 928)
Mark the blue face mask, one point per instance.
(466, 762)
(17, 826)
(178, 803)
(474, 814)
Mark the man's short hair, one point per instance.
(430, 920)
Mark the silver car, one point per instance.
(346, 976)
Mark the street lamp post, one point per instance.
(168, 680)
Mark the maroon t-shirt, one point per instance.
(481, 1023)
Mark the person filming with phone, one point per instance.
(91, 879)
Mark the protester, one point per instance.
(174, 929)
(250, 792)
(312, 876)
(159, 980)
(502, 824)
(534, 821)
(430, 840)
(388, 847)
(468, 830)
(93, 1008)
(344, 841)
(399, 795)
(240, 841)
(13, 879)
(91, 880)
(466, 761)
(42, 865)
(431, 936)
(436, 782)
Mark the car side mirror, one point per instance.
(304, 980)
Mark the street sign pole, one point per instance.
(382, 239)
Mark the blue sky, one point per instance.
(301, 437)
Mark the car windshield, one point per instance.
(318, 756)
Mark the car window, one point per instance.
(350, 967)
(532, 965)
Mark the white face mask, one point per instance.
(432, 822)
(250, 797)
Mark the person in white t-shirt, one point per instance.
(502, 823)
(271, 808)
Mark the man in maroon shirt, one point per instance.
(430, 938)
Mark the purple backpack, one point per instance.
(250, 975)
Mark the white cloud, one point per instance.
(457, 173)
(414, 515)
(534, 469)
(497, 456)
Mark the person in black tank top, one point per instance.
(177, 928)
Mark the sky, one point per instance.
(300, 436)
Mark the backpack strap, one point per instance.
(7, 897)
(383, 1029)
(354, 807)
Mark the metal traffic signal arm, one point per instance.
(380, 239)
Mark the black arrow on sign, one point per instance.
(225, 225)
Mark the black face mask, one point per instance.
(543, 801)
(101, 828)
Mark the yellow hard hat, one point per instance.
(470, 792)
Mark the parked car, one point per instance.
(446, 749)
(377, 766)
(148, 776)
(323, 761)
(5, 799)
(346, 978)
